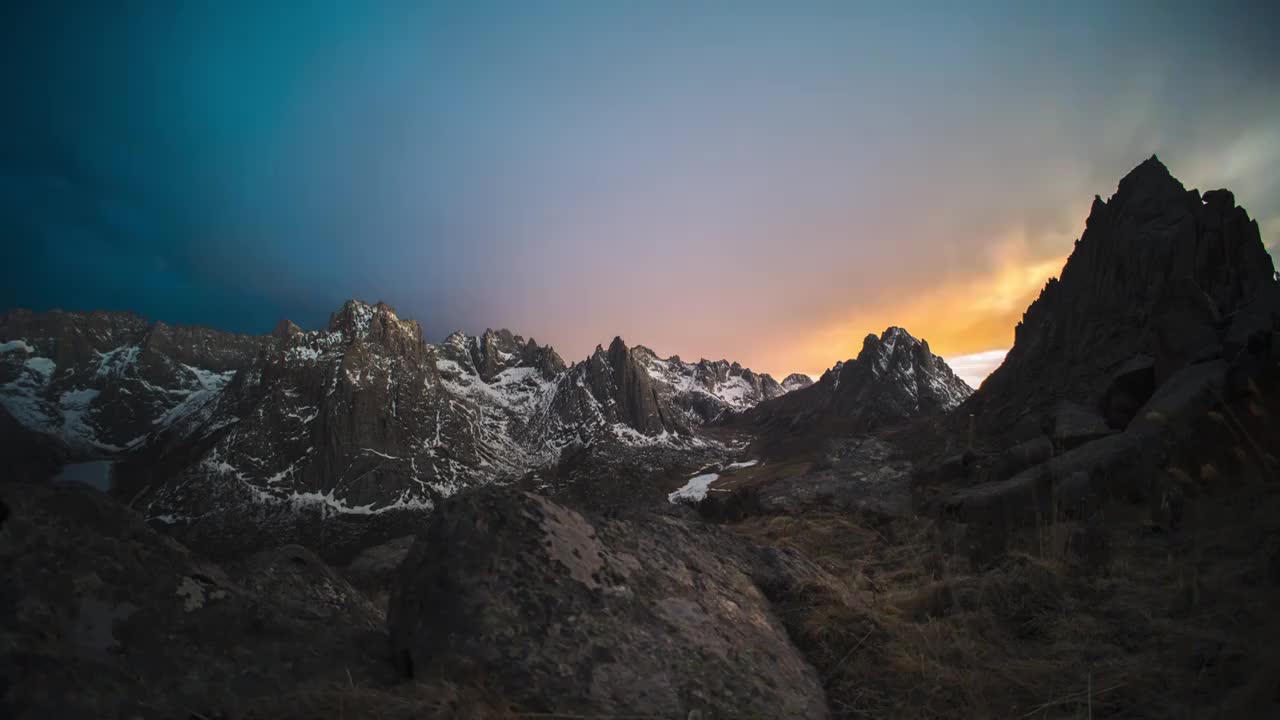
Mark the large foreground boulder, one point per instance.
(562, 614)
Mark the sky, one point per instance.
(766, 182)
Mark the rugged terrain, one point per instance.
(203, 430)
(484, 531)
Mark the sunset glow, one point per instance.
(764, 185)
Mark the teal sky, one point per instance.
(763, 181)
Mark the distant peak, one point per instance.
(356, 317)
(895, 332)
(285, 329)
(1150, 177)
(796, 381)
(890, 337)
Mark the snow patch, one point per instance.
(695, 490)
(42, 366)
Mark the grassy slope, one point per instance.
(1160, 619)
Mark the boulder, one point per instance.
(1128, 388)
(1018, 458)
(1111, 467)
(297, 583)
(373, 571)
(1188, 394)
(561, 614)
(1019, 501)
(1071, 425)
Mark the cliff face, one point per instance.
(1153, 282)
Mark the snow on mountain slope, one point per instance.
(707, 389)
(101, 384)
(362, 417)
(366, 417)
(894, 377)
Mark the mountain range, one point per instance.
(364, 417)
(355, 518)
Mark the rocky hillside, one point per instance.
(893, 378)
(360, 418)
(88, 385)
(1144, 373)
(706, 390)
(1162, 277)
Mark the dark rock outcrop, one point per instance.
(1152, 361)
(1126, 390)
(1157, 272)
(568, 615)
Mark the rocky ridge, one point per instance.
(1140, 376)
(358, 419)
(895, 377)
(1160, 278)
(94, 385)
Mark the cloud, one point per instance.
(959, 315)
(975, 368)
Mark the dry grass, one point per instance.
(1176, 625)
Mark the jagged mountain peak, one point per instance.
(286, 330)
(1150, 177)
(358, 320)
(360, 417)
(1156, 271)
(893, 378)
(796, 381)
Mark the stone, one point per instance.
(562, 614)
(374, 569)
(1129, 386)
(1018, 458)
(1107, 468)
(1071, 425)
(1188, 394)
